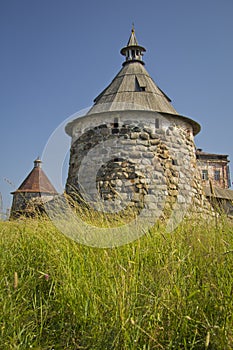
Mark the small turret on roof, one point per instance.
(133, 51)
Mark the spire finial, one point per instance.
(37, 162)
(133, 29)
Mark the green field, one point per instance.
(163, 291)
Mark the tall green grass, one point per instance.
(164, 291)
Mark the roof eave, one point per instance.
(196, 126)
(137, 47)
(34, 191)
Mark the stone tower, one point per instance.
(34, 191)
(132, 149)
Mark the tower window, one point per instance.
(140, 83)
(115, 129)
(157, 123)
(205, 174)
(116, 124)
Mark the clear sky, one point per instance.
(58, 55)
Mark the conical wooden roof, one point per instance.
(36, 182)
(134, 89)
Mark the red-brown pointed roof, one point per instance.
(36, 181)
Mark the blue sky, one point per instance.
(58, 55)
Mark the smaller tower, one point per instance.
(35, 190)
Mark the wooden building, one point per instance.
(216, 182)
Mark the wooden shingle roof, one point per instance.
(133, 85)
(134, 89)
(217, 192)
(211, 156)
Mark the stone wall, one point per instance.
(28, 203)
(142, 160)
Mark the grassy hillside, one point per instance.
(164, 291)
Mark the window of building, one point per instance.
(140, 83)
(205, 174)
(157, 123)
(217, 175)
(116, 124)
(115, 129)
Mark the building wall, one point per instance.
(216, 171)
(134, 159)
(26, 203)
